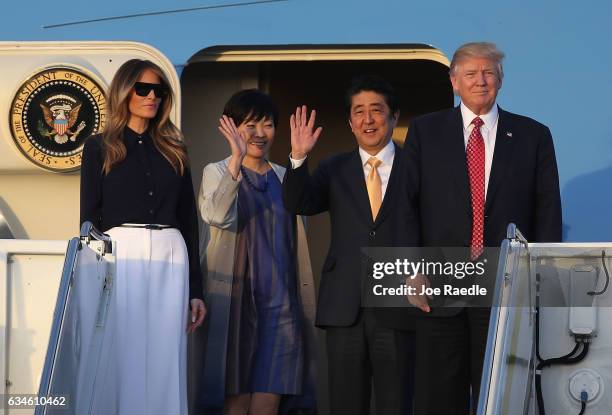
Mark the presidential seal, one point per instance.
(52, 113)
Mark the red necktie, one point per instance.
(475, 152)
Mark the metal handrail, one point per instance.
(512, 232)
(513, 235)
(58, 316)
(485, 382)
(89, 232)
(61, 338)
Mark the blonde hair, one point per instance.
(166, 137)
(479, 50)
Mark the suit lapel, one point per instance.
(458, 164)
(355, 182)
(501, 156)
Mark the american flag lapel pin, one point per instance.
(508, 134)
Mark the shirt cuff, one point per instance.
(296, 163)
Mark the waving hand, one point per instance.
(303, 134)
(237, 143)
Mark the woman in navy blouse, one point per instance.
(136, 186)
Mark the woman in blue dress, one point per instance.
(260, 337)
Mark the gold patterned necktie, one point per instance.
(374, 186)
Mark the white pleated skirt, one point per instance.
(150, 320)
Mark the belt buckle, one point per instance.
(153, 227)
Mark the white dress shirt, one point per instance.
(488, 131)
(386, 156)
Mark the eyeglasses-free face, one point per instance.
(142, 89)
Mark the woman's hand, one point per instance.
(303, 134)
(237, 142)
(235, 139)
(198, 311)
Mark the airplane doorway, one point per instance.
(318, 77)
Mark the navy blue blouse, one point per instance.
(143, 188)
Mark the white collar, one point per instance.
(385, 155)
(489, 119)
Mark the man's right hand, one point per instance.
(419, 300)
(303, 135)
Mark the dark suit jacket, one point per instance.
(523, 184)
(338, 186)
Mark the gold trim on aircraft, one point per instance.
(238, 55)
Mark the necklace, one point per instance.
(250, 182)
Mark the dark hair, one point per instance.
(372, 83)
(251, 105)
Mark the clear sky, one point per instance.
(558, 65)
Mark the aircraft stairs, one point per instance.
(550, 336)
(550, 299)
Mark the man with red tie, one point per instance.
(471, 171)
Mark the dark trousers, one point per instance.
(450, 354)
(367, 354)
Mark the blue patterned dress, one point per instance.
(265, 347)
